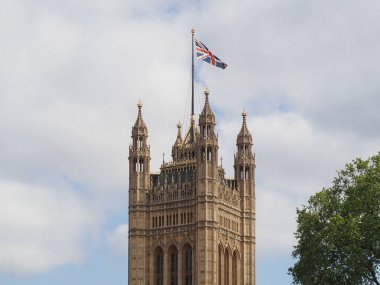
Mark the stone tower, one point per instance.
(189, 224)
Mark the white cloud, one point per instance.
(275, 224)
(72, 73)
(118, 240)
(42, 228)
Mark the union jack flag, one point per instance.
(203, 53)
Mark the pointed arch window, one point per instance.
(209, 154)
(140, 142)
(140, 165)
(234, 268)
(226, 268)
(187, 265)
(220, 256)
(173, 266)
(135, 165)
(158, 266)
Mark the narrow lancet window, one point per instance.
(188, 267)
(158, 266)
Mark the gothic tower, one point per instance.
(189, 224)
(245, 176)
(139, 185)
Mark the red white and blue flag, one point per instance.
(203, 53)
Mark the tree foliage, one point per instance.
(338, 231)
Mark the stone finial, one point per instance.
(244, 114)
(179, 135)
(139, 105)
(207, 93)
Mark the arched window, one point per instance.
(234, 268)
(158, 266)
(209, 154)
(135, 165)
(227, 268)
(173, 265)
(220, 256)
(187, 265)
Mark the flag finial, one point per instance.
(193, 31)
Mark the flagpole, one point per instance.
(192, 71)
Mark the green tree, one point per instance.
(338, 232)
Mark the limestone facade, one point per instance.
(189, 224)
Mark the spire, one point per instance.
(244, 157)
(139, 121)
(139, 130)
(192, 133)
(207, 114)
(244, 134)
(179, 135)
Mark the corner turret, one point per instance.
(207, 144)
(139, 160)
(244, 165)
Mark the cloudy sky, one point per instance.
(72, 72)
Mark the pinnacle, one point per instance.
(244, 129)
(139, 120)
(207, 108)
(179, 135)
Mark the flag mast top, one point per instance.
(192, 71)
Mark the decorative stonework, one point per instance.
(188, 224)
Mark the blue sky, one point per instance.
(72, 72)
